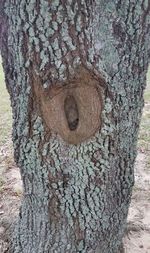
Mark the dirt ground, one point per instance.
(137, 239)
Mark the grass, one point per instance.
(5, 111)
(148, 75)
(147, 93)
(144, 133)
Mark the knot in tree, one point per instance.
(73, 110)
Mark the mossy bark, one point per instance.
(76, 196)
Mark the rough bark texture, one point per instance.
(76, 197)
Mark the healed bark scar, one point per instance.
(73, 110)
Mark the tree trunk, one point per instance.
(75, 71)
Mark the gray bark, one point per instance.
(76, 196)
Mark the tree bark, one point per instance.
(77, 166)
